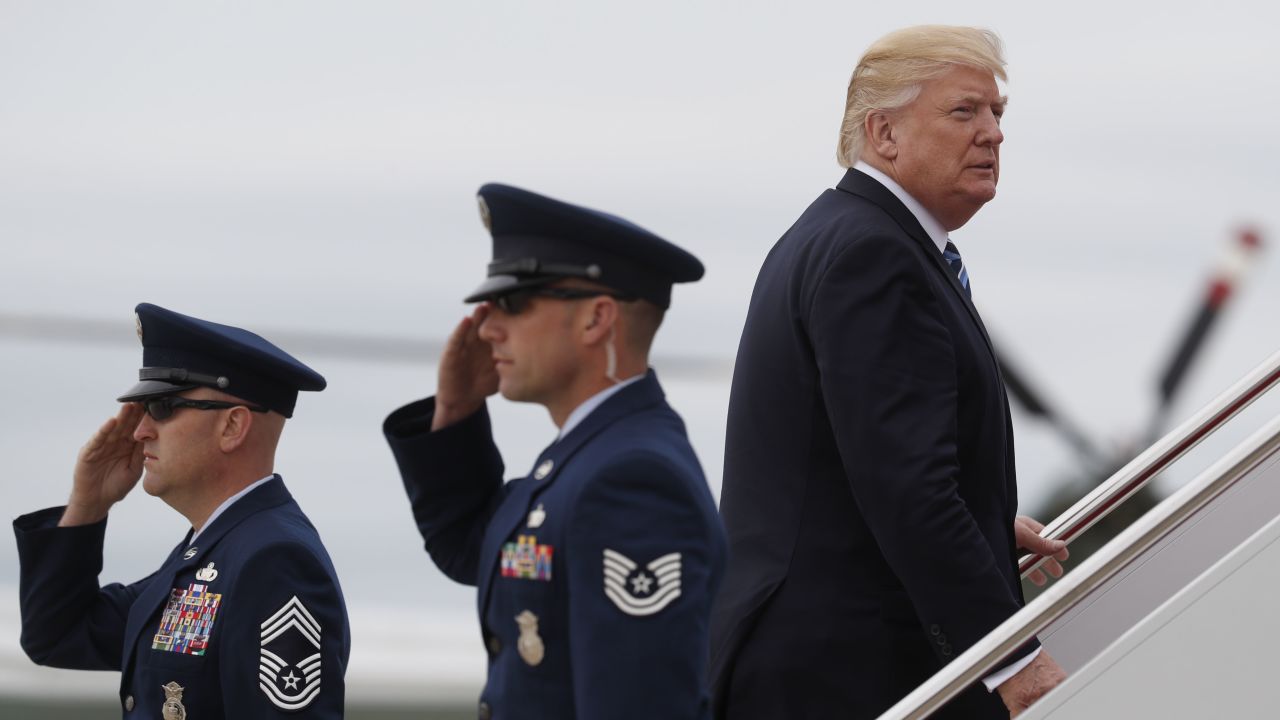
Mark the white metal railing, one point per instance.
(978, 661)
(1105, 498)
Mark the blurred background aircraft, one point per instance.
(1097, 462)
(307, 169)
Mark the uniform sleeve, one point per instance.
(640, 560)
(889, 382)
(68, 621)
(453, 478)
(285, 641)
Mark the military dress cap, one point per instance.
(538, 240)
(180, 353)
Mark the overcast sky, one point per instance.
(312, 166)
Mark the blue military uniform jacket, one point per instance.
(596, 572)
(249, 622)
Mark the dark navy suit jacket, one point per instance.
(869, 490)
(275, 589)
(596, 572)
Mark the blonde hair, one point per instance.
(890, 74)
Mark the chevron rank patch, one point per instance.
(289, 664)
(637, 590)
(187, 620)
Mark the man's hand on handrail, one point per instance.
(1026, 532)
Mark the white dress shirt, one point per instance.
(931, 226)
(589, 405)
(226, 504)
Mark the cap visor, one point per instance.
(152, 388)
(500, 284)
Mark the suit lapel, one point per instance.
(512, 512)
(182, 559)
(864, 186)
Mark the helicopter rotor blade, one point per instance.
(1024, 393)
(1223, 284)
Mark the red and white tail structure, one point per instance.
(1237, 258)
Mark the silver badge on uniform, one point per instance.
(207, 573)
(172, 708)
(637, 590)
(544, 469)
(530, 644)
(190, 553)
(537, 516)
(289, 662)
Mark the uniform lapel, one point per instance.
(270, 494)
(630, 399)
(150, 598)
(507, 516)
(864, 186)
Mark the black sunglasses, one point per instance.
(515, 302)
(161, 408)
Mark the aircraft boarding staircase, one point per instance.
(1176, 617)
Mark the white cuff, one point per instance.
(995, 679)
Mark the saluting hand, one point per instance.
(108, 467)
(1026, 531)
(467, 375)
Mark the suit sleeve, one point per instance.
(889, 381)
(453, 478)
(640, 560)
(285, 641)
(68, 621)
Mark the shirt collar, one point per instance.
(226, 504)
(581, 412)
(931, 226)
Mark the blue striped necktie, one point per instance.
(952, 256)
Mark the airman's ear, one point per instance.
(234, 428)
(600, 320)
